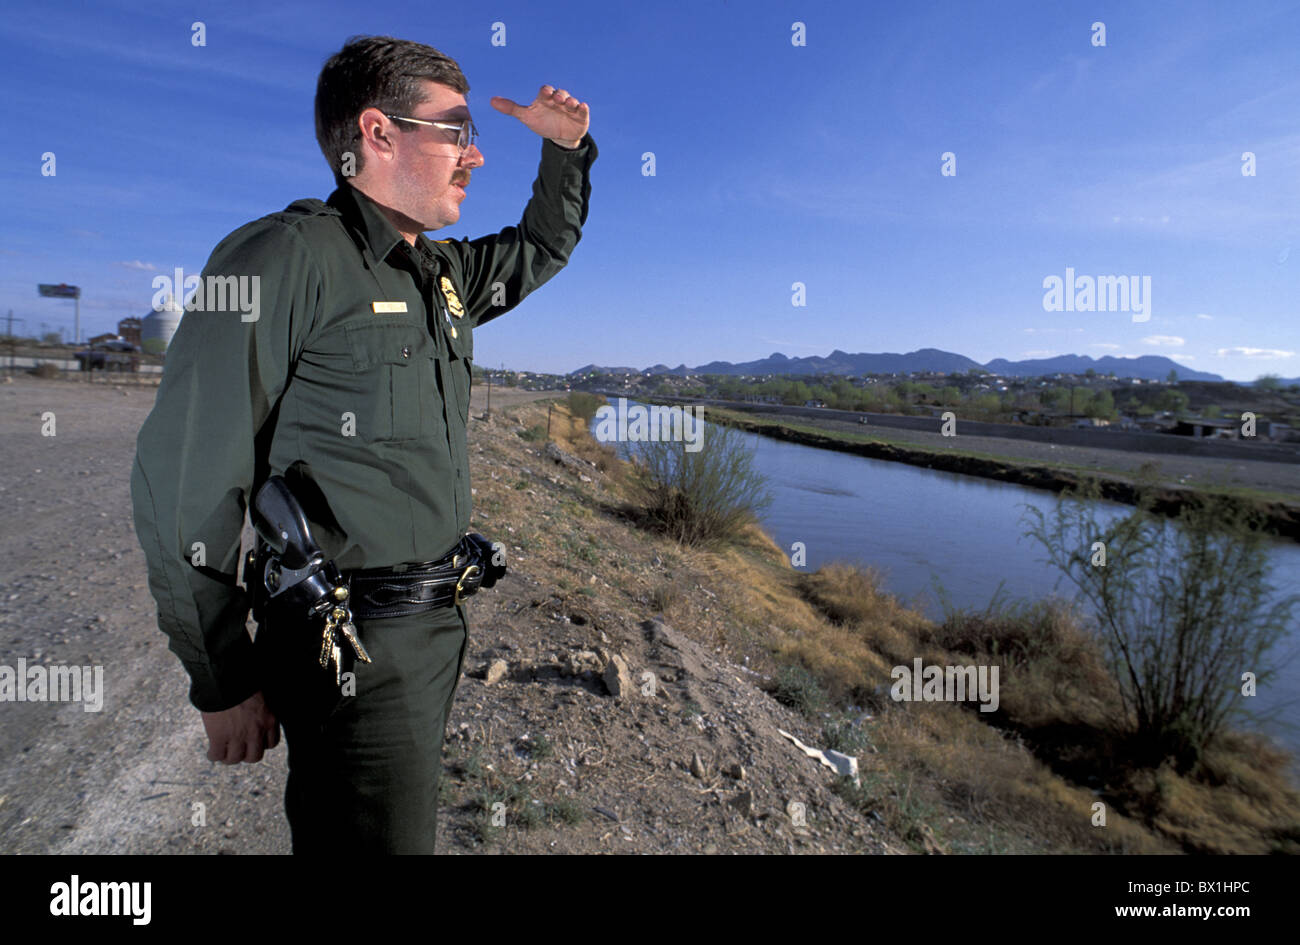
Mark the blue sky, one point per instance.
(775, 164)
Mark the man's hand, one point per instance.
(241, 733)
(554, 114)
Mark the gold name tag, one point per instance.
(383, 308)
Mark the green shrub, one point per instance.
(584, 405)
(565, 810)
(706, 496)
(1181, 607)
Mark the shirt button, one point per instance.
(406, 351)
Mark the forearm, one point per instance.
(557, 210)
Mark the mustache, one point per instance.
(460, 178)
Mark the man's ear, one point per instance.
(376, 133)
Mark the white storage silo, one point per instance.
(157, 327)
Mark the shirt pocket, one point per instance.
(461, 350)
(392, 367)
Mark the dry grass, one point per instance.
(1058, 746)
(570, 434)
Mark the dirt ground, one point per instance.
(697, 765)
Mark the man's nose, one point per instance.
(472, 157)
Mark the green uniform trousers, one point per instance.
(364, 768)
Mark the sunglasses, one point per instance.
(466, 133)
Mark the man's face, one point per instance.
(429, 174)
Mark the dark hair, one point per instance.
(374, 71)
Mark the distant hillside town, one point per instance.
(1115, 393)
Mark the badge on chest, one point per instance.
(454, 306)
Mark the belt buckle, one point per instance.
(460, 584)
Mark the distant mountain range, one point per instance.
(929, 360)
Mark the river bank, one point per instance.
(1271, 488)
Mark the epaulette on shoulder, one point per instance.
(310, 207)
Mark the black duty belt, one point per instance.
(427, 585)
(290, 580)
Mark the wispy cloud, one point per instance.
(1107, 345)
(1200, 196)
(137, 264)
(1259, 354)
(1168, 341)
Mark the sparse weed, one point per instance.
(798, 688)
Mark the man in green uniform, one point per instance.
(348, 374)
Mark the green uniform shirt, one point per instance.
(362, 407)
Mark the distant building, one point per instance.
(1272, 430)
(1201, 427)
(128, 329)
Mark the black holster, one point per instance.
(287, 575)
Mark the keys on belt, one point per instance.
(338, 622)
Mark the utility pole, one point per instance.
(489, 405)
(13, 342)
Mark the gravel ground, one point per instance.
(72, 581)
(73, 590)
